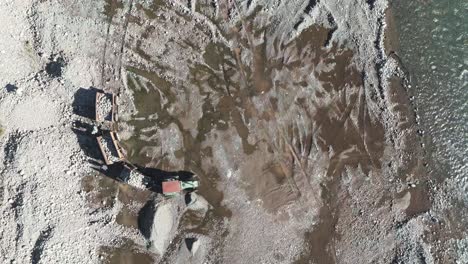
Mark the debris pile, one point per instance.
(108, 147)
(104, 107)
(133, 178)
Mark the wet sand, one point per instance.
(271, 172)
(294, 142)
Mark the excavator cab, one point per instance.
(173, 186)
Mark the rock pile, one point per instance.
(104, 107)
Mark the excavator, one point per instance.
(113, 153)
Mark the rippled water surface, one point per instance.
(433, 46)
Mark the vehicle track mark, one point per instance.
(10, 148)
(103, 64)
(38, 248)
(112, 60)
(17, 206)
(122, 42)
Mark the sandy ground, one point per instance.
(45, 216)
(292, 113)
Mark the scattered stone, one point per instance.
(11, 88)
(104, 107)
(54, 67)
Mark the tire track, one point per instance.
(103, 59)
(112, 58)
(10, 148)
(122, 43)
(17, 206)
(33, 21)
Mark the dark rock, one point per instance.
(11, 88)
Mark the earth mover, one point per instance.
(113, 153)
(173, 186)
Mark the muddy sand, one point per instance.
(293, 114)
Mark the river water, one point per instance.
(433, 47)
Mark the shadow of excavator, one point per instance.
(157, 176)
(83, 106)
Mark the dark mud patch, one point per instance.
(419, 202)
(127, 218)
(101, 190)
(132, 199)
(268, 105)
(145, 85)
(351, 130)
(401, 104)
(102, 193)
(150, 97)
(320, 240)
(232, 79)
(128, 253)
(111, 8)
(391, 42)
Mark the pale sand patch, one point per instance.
(34, 113)
(162, 226)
